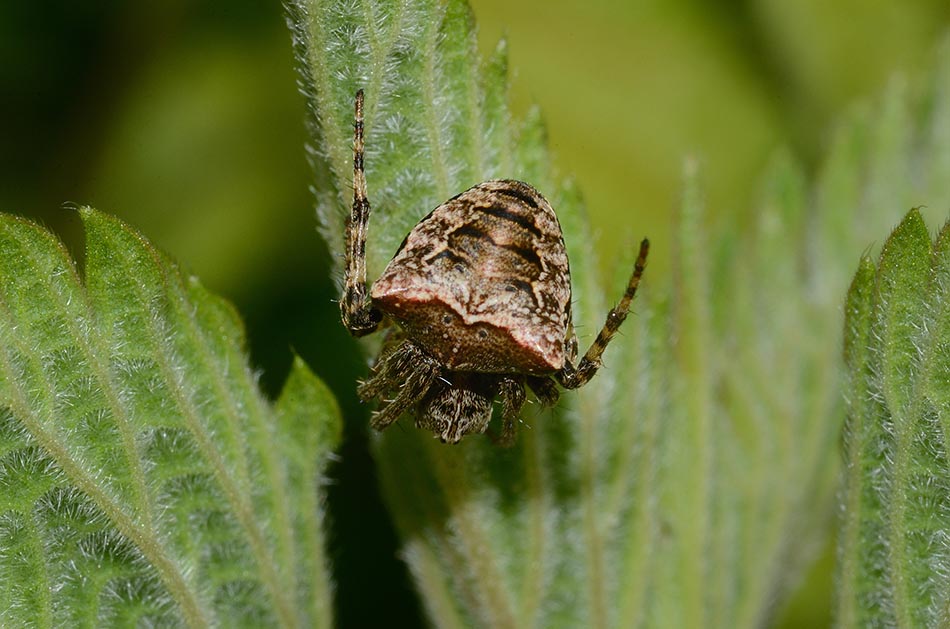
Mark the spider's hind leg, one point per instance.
(571, 377)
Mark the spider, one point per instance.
(480, 293)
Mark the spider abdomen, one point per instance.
(483, 282)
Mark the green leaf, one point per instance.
(144, 478)
(893, 556)
(691, 482)
(895, 484)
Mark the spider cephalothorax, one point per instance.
(480, 290)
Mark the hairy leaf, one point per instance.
(690, 482)
(892, 550)
(894, 553)
(143, 478)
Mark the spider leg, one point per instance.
(409, 370)
(571, 377)
(387, 372)
(511, 391)
(359, 315)
(544, 389)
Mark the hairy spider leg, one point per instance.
(571, 377)
(408, 369)
(544, 389)
(511, 391)
(359, 315)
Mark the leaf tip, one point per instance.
(304, 394)
(85, 211)
(857, 308)
(910, 238)
(501, 49)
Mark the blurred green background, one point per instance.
(182, 118)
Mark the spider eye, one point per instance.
(483, 333)
(446, 319)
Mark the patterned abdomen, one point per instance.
(483, 283)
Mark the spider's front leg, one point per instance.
(407, 370)
(571, 377)
(359, 315)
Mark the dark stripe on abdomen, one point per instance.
(508, 215)
(514, 193)
(471, 231)
(530, 255)
(452, 257)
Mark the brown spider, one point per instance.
(481, 292)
